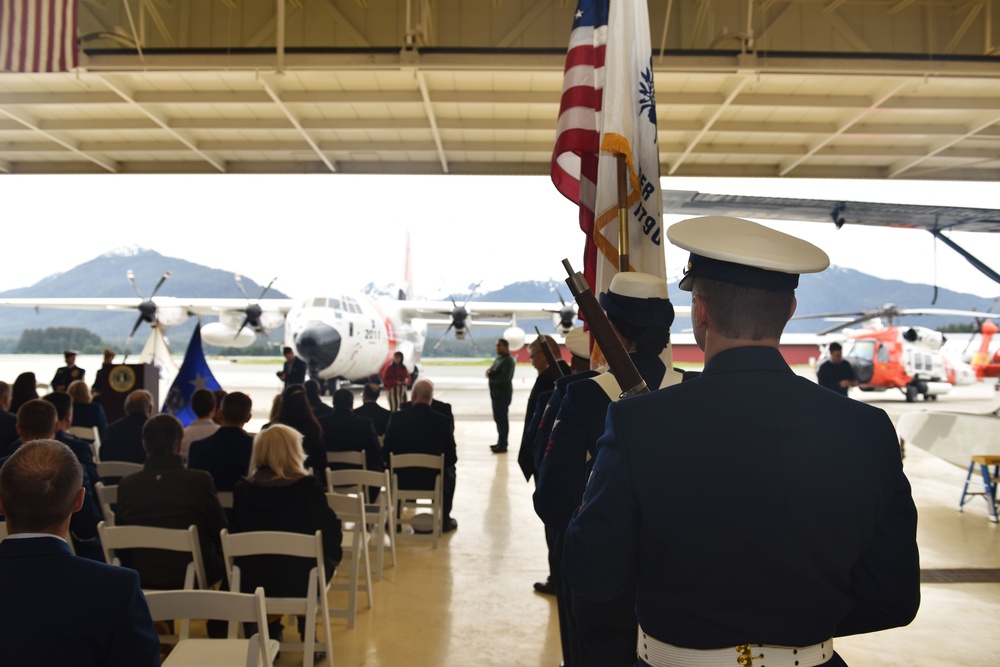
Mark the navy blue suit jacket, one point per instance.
(58, 609)
(123, 440)
(225, 455)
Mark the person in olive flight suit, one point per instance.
(639, 308)
(723, 499)
(66, 374)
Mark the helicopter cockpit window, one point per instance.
(862, 349)
(883, 354)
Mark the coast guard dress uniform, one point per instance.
(600, 634)
(68, 373)
(757, 513)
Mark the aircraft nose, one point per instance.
(863, 369)
(318, 344)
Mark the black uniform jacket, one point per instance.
(419, 430)
(752, 506)
(295, 506)
(123, 441)
(344, 431)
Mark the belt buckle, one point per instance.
(746, 656)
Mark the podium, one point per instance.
(122, 379)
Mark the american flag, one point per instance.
(38, 35)
(578, 132)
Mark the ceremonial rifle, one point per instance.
(549, 357)
(619, 362)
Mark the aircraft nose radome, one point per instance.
(318, 344)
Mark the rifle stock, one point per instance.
(621, 365)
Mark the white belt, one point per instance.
(661, 654)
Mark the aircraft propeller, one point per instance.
(459, 314)
(147, 307)
(890, 312)
(253, 311)
(567, 313)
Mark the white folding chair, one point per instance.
(351, 512)
(381, 514)
(225, 499)
(237, 608)
(112, 469)
(107, 497)
(411, 500)
(90, 434)
(346, 458)
(259, 543)
(150, 537)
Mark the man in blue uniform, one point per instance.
(601, 633)
(723, 498)
(68, 373)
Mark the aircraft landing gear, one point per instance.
(911, 393)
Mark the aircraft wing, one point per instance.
(200, 306)
(431, 310)
(913, 216)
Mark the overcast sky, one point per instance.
(324, 234)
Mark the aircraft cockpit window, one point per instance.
(334, 303)
(883, 354)
(317, 303)
(862, 349)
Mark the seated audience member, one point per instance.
(295, 412)
(40, 419)
(8, 430)
(124, 437)
(440, 407)
(345, 431)
(370, 408)
(225, 454)
(57, 609)
(203, 407)
(23, 390)
(280, 495)
(421, 430)
(167, 495)
(320, 409)
(219, 395)
(85, 411)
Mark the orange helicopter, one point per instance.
(910, 358)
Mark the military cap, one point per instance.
(639, 299)
(740, 252)
(70, 353)
(578, 343)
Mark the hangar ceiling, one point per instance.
(873, 89)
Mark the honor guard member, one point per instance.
(723, 498)
(67, 373)
(602, 634)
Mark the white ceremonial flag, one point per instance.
(629, 128)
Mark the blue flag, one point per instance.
(193, 375)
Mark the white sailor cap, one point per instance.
(578, 343)
(740, 252)
(638, 298)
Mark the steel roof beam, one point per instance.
(120, 92)
(295, 123)
(104, 164)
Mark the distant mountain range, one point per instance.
(834, 290)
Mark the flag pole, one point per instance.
(622, 214)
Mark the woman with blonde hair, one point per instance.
(280, 495)
(85, 411)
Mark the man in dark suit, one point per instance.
(8, 431)
(421, 430)
(370, 408)
(94, 614)
(723, 498)
(68, 373)
(38, 419)
(123, 438)
(225, 454)
(345, 431)
(167, 495)
(319, 408)
(294, 369)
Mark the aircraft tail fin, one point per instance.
(406, 291)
